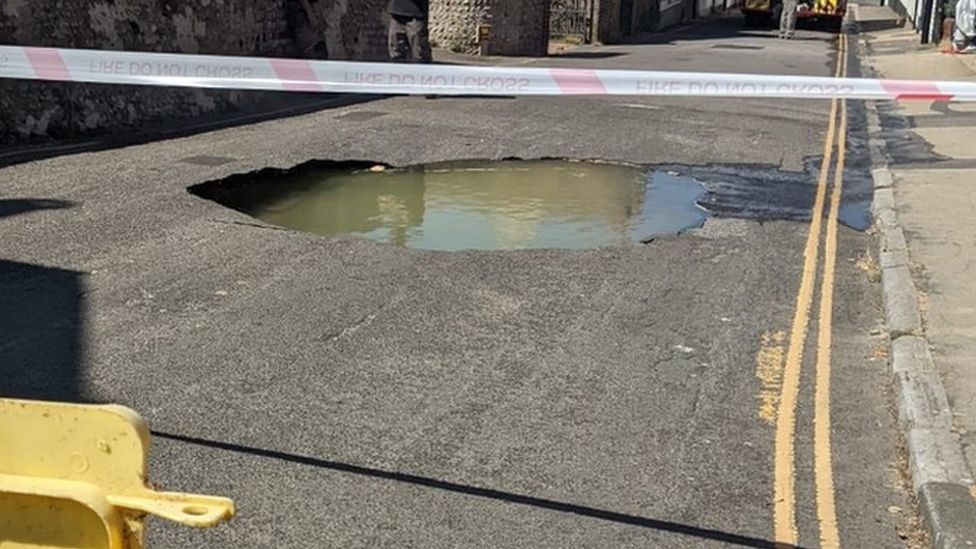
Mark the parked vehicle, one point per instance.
(829, 13)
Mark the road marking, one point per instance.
(784, 482)
(822, 465)
(769, 370)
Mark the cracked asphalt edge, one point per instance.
(941, 478)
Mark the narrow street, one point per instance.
(726, 387)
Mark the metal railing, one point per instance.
(571, 19)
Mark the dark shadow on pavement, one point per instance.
(478, 97)
(563, 507)
(571, 54)
(41, 322)
(15, 206)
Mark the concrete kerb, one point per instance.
(893, 240)
(941, 478)
(944, 505)
(936, 457)
(884, 199)
(900, 299)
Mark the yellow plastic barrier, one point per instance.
(74, 476)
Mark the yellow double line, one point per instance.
(784, 477)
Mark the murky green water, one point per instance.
(483, 205)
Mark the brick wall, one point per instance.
(344, 29)
(519, 27)
(354, 29)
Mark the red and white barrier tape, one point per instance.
(252, 73)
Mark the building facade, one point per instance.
(335, 29)
(610, 21)
(517, 27)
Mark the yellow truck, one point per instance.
(826, 13)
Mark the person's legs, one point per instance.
(399, 40)
(792, 20)
(787, 21)
(780, 18)
(419, 37)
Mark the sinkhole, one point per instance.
(515, 204)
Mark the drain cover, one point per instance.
(205, 160)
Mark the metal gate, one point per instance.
(571, 20)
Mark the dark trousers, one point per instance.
(409, 40)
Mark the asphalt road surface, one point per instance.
(350, 394)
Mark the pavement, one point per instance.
(350, 394)
(873, 17)
(928, 163)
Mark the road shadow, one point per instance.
(434, 97)
(587, 55)
(10, 207)
(726, 27)
(510, 497)
(41, 322)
